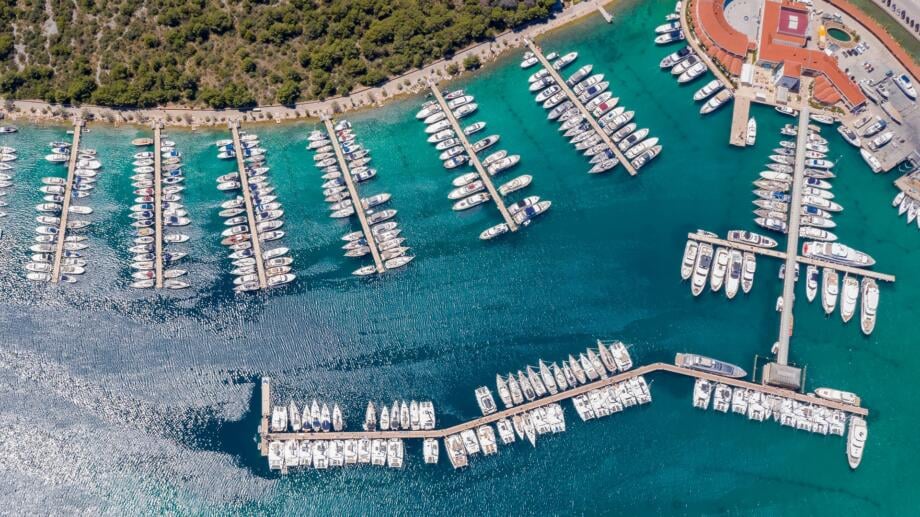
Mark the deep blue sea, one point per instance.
(119, 401)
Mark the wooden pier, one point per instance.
(581, 107)
(474, 159)
(550, 399)
(741, 111)
(158, 204)
(65, 207)
(247, 200)
(792, 240)
(355, 197)
(782, 256)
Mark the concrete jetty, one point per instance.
(158, 204)
(65, 208)
(782, 256)
(792, 239)
(741, 112)
(267, 435)
(247, 201)
(581, 107)
(355, 197)
(474, 159)
(604, 13)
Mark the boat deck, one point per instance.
(158, 204)
(474, 159)
(782, 256)
(266, 435)
(741, 111)
(247, 201)
(581, 107)
(355, 197)
(65, 208)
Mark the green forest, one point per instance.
(144, 53)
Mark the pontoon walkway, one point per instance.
(581, 107)
(65, 208)
(247, 200)
(355, 197)
(474, 159)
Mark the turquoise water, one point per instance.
(117, 400)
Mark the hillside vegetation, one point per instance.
(143, 53)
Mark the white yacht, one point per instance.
(811, 282)
(719, 268)
(856, 440)
(749, 268)
(850, 296)
(686, 266)
(701, 268)
(869, 305)
(830, 290)
(431, 450)
(751, 136)
(733, 275)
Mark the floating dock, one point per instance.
(266, 435)
(782, 256)
(158, 204)
(355, 197)
(65, 208)
(741, 112)
(247, 200)
(474, 159)
(581, 107)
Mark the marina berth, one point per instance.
(58, 252)
(475, 188)
(580, 105)
(349, 168)
(253, 216)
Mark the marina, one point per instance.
(587, 116)
(598, 388)
(759, 250)
(185, 367)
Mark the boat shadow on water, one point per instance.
(235, 438)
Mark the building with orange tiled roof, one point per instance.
(783, 36)
(722, 42)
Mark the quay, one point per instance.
(792, 239)
(247, 200)
(782, 256)
(741, 112)
(581, 107)
(158, 204)
(266, 435)
(355, 197)
(65, 208)
(474, 159)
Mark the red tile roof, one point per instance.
(796, 57)
(723, 43)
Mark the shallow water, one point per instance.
(118, 400)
